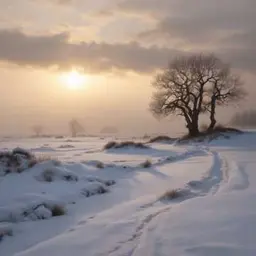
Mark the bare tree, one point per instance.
(37, 129)
(75, 127)
(194, 85)
(225, 88)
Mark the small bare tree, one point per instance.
(225, 88)
(38, 130)
(191, 86)
(75, 127)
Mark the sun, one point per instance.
(74, 80)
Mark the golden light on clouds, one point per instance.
(74, 80)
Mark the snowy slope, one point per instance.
(213, 215)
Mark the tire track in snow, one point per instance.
(138, 232)
(237, 178)
(210, 184)
(203, 187)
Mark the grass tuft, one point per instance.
(58, 210)
(170, 194)
(100, 165)
(146, 164)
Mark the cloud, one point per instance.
(227, 27)
(56, 50)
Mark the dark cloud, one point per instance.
(227, 27)
(45, 51)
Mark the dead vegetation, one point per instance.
(100, 165)
(146, 164)
(58, 210)
(161, 138)
(209, 135)
(171, 194)
(125, 144)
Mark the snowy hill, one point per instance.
(195, 199)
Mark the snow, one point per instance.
(114, 206)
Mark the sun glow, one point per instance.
(74, 80)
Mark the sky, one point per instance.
(118, 45)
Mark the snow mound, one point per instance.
(103, 181)
(94, 188)
(54, 173)
(6, 229)
(30, 207)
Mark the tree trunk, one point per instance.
(212, 114)
(193, 128)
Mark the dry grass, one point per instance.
(170, 194)
(100, 165)
(124, 144)
(161, 138)
(46, 158)
(146, 164)
(58, 210)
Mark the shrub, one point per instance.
(110, 145)
(94, 189)
(53, 173)
(100, 165)
(161, 138)
(58, 210)
(124, 144)
(170, 194)
(146, 164)
(16, 161)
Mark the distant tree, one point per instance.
(194, 85)
(75, 127)
(38, 130)
(245, 119)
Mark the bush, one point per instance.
(161, 138)
(125, 144)
(110, 145)
(15, 161)
(58, 210)
(55, 173)
(170, 195)
(94, 188)
(100, 165)
(146, 164)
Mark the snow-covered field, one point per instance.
(113, 206)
